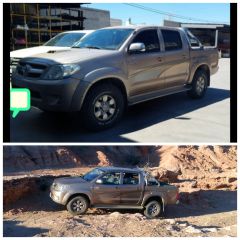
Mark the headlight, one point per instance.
(57, 187)
(57, 72)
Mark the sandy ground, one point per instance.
(45, 218)
(203, 213)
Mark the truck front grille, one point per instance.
(31, 70)
(13, 64)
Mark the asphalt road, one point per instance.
(176, 119)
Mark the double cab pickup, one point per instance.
(114, 188)
(114, 67)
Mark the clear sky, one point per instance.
(216, 12)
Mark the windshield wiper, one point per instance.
(92, 47)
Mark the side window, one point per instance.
(194, 42)
(111, 178)
(172, 40)
(131, 178)
(150, 40)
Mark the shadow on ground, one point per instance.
(37, 126)
(203, 202)
(15, 229)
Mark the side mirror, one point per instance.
(137, 47)
(99, 181)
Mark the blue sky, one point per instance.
(217, 12)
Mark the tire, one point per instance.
(102, 107)
(78, 205)
(153, 209)
(199, 84)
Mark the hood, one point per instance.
(69, 180)
(73, 55)
(28, 52)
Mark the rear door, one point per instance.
(107, 192)
(130, 189)
(176, 58)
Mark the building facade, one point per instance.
(95, 18)
(115, 22)
(32, 24)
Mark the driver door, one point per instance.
(106, 189)
(146, 69)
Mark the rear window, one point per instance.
(172, 40)
(131, 178)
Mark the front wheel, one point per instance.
(153, 209)
(77, 205)
(199, 85)
(103, 107)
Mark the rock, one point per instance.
(194, 184)
(182, 224)
(103, 160)
(166, 175)
(212, 229)
(171, 221)
(138, 216)
(220, 185)
(231, 179)
(192, 229)
(115, 215)
(216, 170)
(169, 228)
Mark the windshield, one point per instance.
(92, 174)
(64, 39)
(111, 39)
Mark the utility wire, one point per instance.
(170, 14)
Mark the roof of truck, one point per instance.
(141, 27)
(120, 169)
(79, 31)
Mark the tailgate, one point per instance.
(172, 195)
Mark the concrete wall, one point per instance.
(95, 18)
(115, 22)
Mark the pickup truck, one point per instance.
(114, 67)
(114, 188)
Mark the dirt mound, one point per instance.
(173, 158)
(193, 167)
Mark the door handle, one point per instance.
(159, 59)
(184, 56)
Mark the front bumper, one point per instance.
(64, 95)
(56, 196)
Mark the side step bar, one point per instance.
(117, 206)
(161, 93)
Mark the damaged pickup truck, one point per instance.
(115, 67)
(114, 188)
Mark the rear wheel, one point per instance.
(77, 205)
(199, 84)
(153, 209)
(103, 107)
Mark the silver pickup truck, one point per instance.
(114, 188)
(112, 68)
